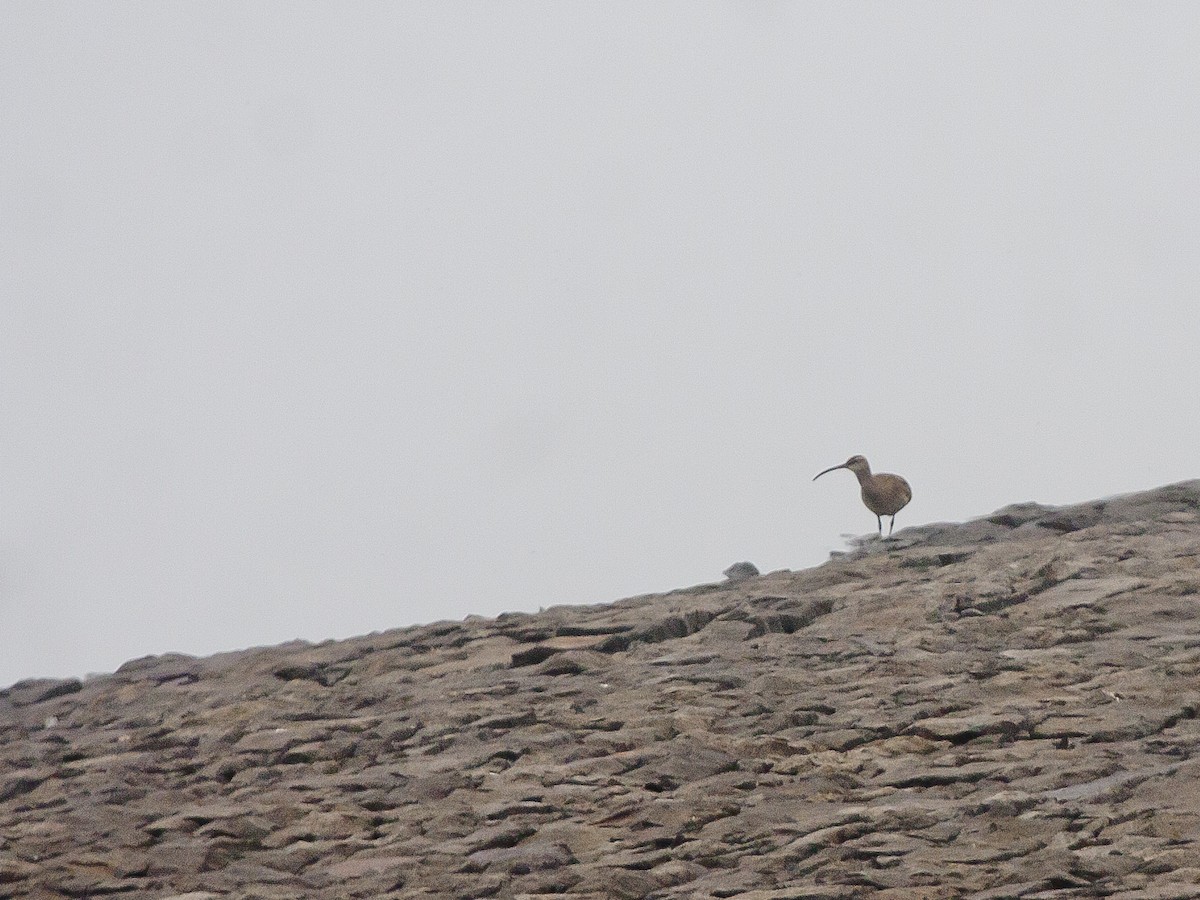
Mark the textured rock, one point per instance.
(38, 690)
(740, 571)
(1002, 708)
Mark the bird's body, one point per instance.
(883, 494)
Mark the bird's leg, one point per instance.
(879, 519)
(891, 526)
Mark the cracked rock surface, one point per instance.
(1001, 708)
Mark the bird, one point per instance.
(883, 494)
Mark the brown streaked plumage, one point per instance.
(883, 494)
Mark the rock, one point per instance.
(522, 859)
(363, 864)
(39, 690)
(740, 571)
(22, 782)
(960, 728)
(1001, 708)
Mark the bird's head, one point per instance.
(856, 464)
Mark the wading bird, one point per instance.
(883, 494)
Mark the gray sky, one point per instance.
(323, 318)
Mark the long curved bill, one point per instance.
(830, 469)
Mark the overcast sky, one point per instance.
(324, 318)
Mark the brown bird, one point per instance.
(883, 494)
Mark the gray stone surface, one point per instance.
(1003, 708)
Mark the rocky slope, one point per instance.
(1003, 708)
